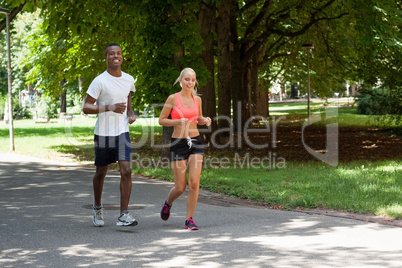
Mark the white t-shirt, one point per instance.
(108, 89)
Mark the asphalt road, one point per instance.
(45, 221)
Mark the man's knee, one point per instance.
(100, 173)
(125, 172)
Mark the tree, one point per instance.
(22, 24)
(159, 38)
(253, 43)
(167, 40)
(15, 8)
(268, 29)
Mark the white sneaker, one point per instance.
(125, 219)
(97, 217)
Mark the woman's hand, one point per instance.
(205, 121)
(183, 121)
(208, 121)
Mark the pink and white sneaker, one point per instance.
(190, 224)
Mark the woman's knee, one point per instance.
(180, 188)
(193, 184)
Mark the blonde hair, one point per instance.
(186, 70)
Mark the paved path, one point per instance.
(45, 221)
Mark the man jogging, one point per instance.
(111, 91)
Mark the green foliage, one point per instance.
(149, 32)
(164, 28)
(47, 108)
(354, 40)
(23, 24)
(20, 112)
(379, 49)
(3, 80)
(373, 102)
(381, 101)
(363, 45)
(3, 100)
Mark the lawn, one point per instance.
(356, 185)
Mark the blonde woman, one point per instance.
(186, 149)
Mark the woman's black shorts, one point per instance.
(180, 149)
(109, 149)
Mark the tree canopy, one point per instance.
(236, 47)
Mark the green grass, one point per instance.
(344, 116)
(374, 189)
(68, 139)
(371, 187)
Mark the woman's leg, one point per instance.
(179, 174)
(194, 169)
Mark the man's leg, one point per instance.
(125, 184)
(98, 180)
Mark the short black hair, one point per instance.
(111, 45)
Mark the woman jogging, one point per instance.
(186, 149)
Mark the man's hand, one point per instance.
(118, 107)
(131, 118)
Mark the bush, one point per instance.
(3, 100)
(372, 102)
(20, 112)
(381, 101)
(47, 108)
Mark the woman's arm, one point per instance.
(202, 120)
(167, 108)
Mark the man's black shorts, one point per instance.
(180, 149)
(109, 149)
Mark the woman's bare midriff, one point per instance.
(180, 132)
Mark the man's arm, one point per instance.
(89, 107)
(130, 114)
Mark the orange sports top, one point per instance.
(179, 111)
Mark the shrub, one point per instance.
(381, 101)
(20, 112)
(372, 102)
(47, 108)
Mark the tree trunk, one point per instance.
(80, 83)
(262, 103)
(63, 102)
(206, 20)
(168, 131)
(254, 86)
(250, 91)
(239, 91)
(225, 47)
(239, 73)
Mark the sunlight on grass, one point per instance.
(351, 187)
(363, 187)
(392, 211)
